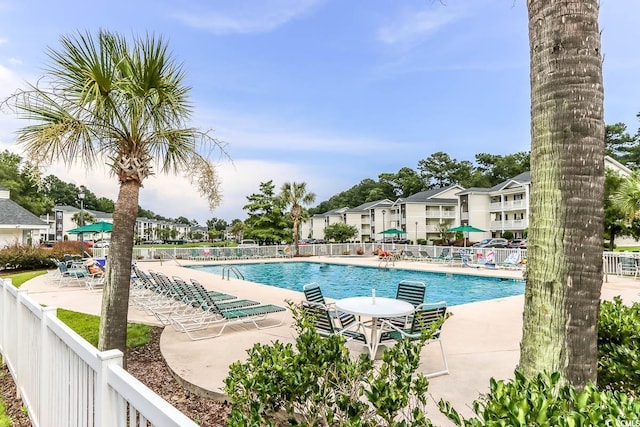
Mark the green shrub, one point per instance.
(24, 257)
(317, 383)
(543, 401)
(619, 346)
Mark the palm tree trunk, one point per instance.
(567, 179)
(115, 297)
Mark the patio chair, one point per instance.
(313, 295)
(412, 292)
(426, 317)
(627, 266)
(323, 322)
(67, 275)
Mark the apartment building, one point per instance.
(501, 208)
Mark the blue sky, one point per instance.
(328, 92)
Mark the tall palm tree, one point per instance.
(564, 262)
(294, 195)
(123, 102)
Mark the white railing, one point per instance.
(65, 381)
(507, 205)
(509, 224)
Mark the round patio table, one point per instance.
(375, 308)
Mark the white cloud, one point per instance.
(15, 61)
(412, 27)
(269, 133)
(173, 196)
(251, 16)
(3, 41)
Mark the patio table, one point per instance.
(374, 308)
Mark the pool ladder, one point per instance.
(231, 269)
(386, 261)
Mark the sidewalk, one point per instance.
(481, 339)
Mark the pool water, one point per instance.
(341, 281)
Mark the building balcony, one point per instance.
(509, 224)
(508, 206)
(439, 214)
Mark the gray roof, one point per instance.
(366, 206)
(13, 213)
(523, 178)
(428, 196)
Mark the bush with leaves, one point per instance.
(544, 401)
(317, 383)
(619, 347)
(24, 257)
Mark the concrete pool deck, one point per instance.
(481, 339)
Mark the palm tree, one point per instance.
(564, 262)
(105, 98)
(295, 195)
(627, 198)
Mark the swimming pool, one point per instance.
(341, 281)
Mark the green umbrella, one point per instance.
(393, 231)
(96, 227)
(466, 229)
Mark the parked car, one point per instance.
(102, 244)
(492, 243)
(518, 243)
(248, 243)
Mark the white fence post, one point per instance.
(106, 410)
(44, 395)
(19, 368)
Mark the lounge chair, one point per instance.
(214, 314)
(512, 261)
(443, 257)
(410, 256)
(313, 295)
(423, 256)
(424, 319)
(323, 322)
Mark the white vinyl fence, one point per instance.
(611, 260)
(63, 380)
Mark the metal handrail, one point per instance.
(228, 269)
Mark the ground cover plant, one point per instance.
(316, 383)
(545, 401)
(619, 347)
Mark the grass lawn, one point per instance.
(86, 325)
